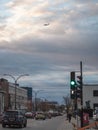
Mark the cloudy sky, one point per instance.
(47, 39)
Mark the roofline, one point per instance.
(90, 84)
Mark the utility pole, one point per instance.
(81, 75)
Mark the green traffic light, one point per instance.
(72, 82)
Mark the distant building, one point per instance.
(29, 97)
(29, 92)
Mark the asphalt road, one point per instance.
(55, 123)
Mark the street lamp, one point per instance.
(15, 80)
(36, 92)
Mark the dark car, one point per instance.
(1, 115)
(14, 118)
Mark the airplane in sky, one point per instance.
(46, 24)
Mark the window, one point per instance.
(95, 93)
(95, 105)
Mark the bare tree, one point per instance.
(67, 102)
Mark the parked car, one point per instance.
(48, 115)
(40, 115)
(34, 113)
(14, 118)
(95, 116)
(29, 115)
(1, 115)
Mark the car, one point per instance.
(40, 115)
(48, 115)
(1, 115)
(14, 118)
(95, 116)
(29, 115)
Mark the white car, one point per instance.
(29, 115)
(40, 115)
(95, 116)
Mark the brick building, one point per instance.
(4, 94)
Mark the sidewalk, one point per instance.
(71, 125)
(66, 125)
(75, 123)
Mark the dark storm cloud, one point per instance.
(38, 59)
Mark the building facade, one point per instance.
(4, 96)
(21, 97)
(90, 95)
(7, 96)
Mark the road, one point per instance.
(55, 123)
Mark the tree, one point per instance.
(67, 102)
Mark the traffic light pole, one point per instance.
(74, 89)
(81, 93)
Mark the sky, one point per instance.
(47, 39)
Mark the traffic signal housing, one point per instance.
(72, 80)
(78, 92)
(79, 87)
(79, 80)
(72, 85)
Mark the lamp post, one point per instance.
(15, 81)
(44, 104)
(36, 92)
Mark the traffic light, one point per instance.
(78, 92)
(72, 80)
(79, 80)
(72, 85)
(79, 87)
(72, 94)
